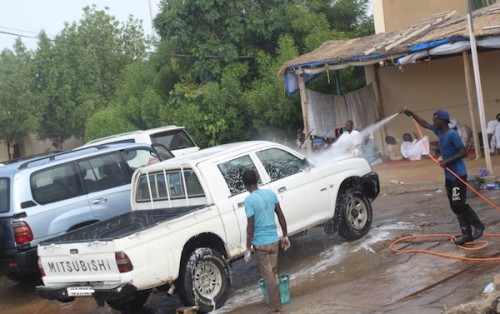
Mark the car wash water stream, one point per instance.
(346, 147)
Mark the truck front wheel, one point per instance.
(354, 214)
(205, 280)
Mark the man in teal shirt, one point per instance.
(262, 234)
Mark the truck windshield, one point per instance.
(4, 195)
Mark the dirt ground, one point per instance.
(331, 275)
(425, 174)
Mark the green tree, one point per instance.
(274, 117)
(18, 109)
(215, 69)
(136, 105)
(78, 73)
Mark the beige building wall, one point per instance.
(30, 145)
(427, 86)
(392, 15)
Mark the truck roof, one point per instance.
(211, 152)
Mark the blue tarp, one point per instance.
(435, 43)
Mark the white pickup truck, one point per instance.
(188, 223)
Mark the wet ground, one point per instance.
(328, 274)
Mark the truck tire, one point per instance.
(133, 302)
(354, 214)
(205, 280)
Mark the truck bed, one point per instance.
(123, 225)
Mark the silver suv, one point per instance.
(49, 195)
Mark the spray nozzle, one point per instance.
(407, 112)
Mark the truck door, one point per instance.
(235, 216)
(303, 193)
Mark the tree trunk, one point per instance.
(10, 144)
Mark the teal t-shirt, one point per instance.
(260, 204)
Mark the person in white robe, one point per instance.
(413, 149)
(349, 140)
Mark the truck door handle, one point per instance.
(323, 189)
(282, 189)
(241, 204)
(99, 200)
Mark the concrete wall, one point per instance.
(391, 15)
(30, 145)
(427, 86)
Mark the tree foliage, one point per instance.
(18, 110)
(79, 72)
(214, 70)
(208, 40)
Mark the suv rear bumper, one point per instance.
(19, 262)
(101, 292)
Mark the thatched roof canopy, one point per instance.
(436, 30)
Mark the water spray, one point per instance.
(344, 148)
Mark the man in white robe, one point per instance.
(349, 141)
(413, 149)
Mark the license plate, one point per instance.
(80, 291)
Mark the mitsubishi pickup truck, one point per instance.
(188, 224)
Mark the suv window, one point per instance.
(4, 195)
(140, 158)
(55, 184)
(280, 164)
(173, 140)
(103, 172)
(232, 171)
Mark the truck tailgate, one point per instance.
(80, 261)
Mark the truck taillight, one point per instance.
(40, 267)
(22, 232)
(123, 262)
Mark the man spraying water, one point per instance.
(453, 151)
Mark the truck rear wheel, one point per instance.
(354, 214)
(130, 303)
(205, 280)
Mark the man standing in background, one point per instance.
(464, 132)
(349, 140)
(493, 131)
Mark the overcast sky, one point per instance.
(29, 17)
